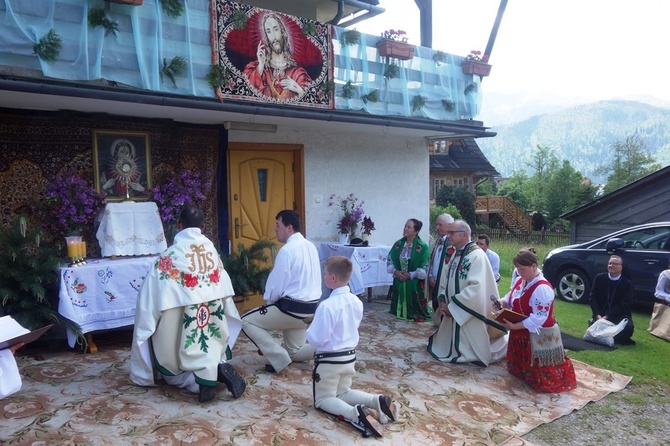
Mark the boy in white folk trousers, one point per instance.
(334, 336)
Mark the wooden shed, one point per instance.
(643, 201)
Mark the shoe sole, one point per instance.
(370, 423)
(206, 394)
(233, 381)
(390, 410)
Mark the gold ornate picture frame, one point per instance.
(122, 164)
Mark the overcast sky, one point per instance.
(596, 49)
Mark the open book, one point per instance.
(508, 314)
(11, 332)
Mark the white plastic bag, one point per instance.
(603, 331)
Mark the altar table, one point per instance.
(369, 264)
(131, 229)
(102, 294)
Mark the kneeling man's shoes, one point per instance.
(207, 393)
(368, 422)
(388, 408)
(233, 381)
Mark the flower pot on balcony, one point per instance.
(474, 67)
(395, 48)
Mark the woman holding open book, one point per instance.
(535, 350)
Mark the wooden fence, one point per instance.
(530, 239)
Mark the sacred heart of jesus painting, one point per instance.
(268, 56)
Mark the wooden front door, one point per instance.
(263, 181)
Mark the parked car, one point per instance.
(645, 250)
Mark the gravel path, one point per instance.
(638, 415)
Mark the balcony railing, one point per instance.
(146, 37)
(446, 92)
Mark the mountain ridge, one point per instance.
(582, 133)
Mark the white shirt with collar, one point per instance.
(296, 272)
(336, 322)
(494, 260)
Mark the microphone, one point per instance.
(496, 302)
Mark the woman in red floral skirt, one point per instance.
(535, 350)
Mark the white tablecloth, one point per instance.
(369, 263)
(102, 294)
(131, 229)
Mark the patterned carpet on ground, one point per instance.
(72, 398)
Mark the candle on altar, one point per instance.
(83, 250)
(72, 249)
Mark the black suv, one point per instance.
(645, 250)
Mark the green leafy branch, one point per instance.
(348, 90)
(418, 102)
(217, 76)
(391, 71)
(373, 96)
(49, 46)
(203, 341)
(351, 37)
(173, 8)
(309, 28)
(328, 86)
(97, 17)
(239, 19)
(440, 57)
(176, 67)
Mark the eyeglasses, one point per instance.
(450, 233)
(614, 263)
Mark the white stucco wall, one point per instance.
(386, 169)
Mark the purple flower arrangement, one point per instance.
(353, 212)
(186, 188)
(72, 203)
(368, 226)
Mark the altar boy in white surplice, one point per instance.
(185, 321)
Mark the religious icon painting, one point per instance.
(122, 165)
(269, 56)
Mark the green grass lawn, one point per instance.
(647, 361)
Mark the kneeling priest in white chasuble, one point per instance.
(185, 311)
(466, 285)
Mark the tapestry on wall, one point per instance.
(271, 57)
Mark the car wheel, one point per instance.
(573, 286)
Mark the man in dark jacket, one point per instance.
(610, 298)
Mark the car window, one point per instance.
(651, 239)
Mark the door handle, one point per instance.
(238, 225)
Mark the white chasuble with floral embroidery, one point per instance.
(184, 306)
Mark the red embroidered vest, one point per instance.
(522, 304)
